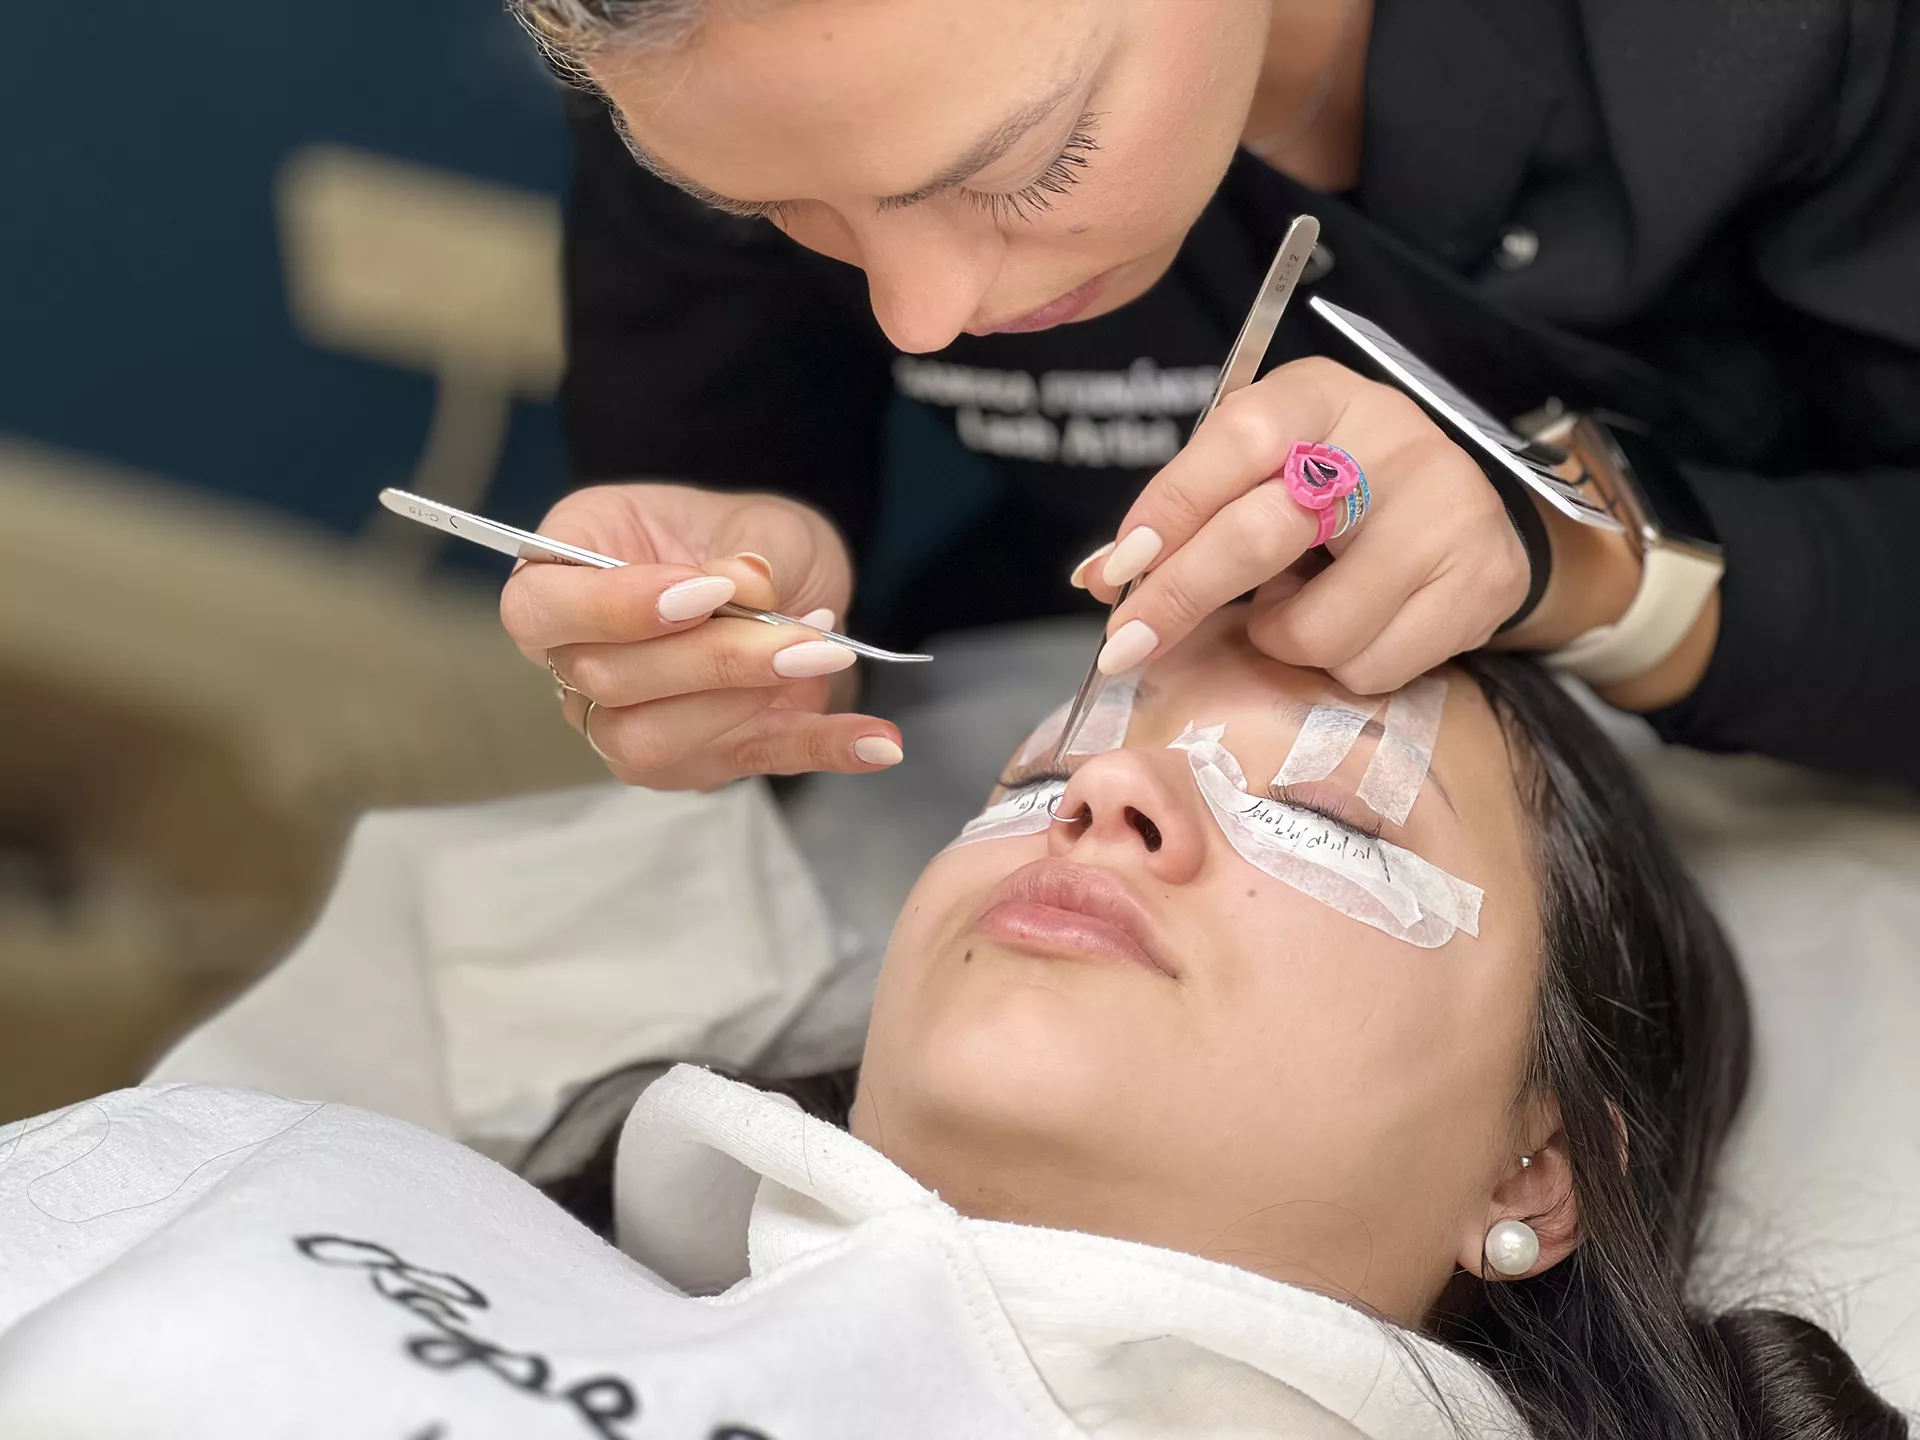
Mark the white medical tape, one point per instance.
(1040, 744)
(1104, 729)
(1399, 765)
(1323, 742)
(1108, 719)
(1025, 811)
(1367, 879)
(1028, 809)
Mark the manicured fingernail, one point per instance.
(1078, 579)
(821, 619)
(877, 750)
(758, 561)
(1132, 643)
(691, 599)
(1137, 549)
(811, 658)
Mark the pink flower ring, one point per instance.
(1318, 477)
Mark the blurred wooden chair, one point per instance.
(195, 703)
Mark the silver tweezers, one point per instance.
(1243, 363)
(525, 545)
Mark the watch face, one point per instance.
(1670, 501)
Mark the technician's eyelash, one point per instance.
(1287, 795)
(773, 210)
(1060, 176)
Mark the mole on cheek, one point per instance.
(967, 958)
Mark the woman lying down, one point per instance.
(1378, 1098)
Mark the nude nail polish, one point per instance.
(821, 619)
(812, 658)
(1131, 644)
(877, 750)
(1137, 549)
(691, 599)
(1078, 579)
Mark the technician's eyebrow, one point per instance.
(1296, 712)
(654, 165)
(990, 147)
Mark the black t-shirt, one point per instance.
(1633, 205)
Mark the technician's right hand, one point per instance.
(683, 699)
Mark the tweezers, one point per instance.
(1242, 364)
(525, 545)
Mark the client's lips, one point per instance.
(1053, 907)
(1055, 312)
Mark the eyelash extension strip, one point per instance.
(1363, 877)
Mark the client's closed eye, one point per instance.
(1330, 804)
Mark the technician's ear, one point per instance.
(1539, 1195)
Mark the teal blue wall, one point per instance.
(142, 316)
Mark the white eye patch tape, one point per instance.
(1040, 744)
(1026, 811)
(1400, 761)
(1104, 729)
(1323, 742)
(1030, 809)
(1398, 767)
(1369, 880)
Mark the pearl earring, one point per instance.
(1526, 1162)
(1512, 1247)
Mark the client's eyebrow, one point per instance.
(1296, 712)
(991, 146)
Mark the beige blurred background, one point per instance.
(215, 652)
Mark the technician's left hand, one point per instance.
(1434, 569)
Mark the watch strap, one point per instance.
(1675, 584)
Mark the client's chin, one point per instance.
(1016, 1062)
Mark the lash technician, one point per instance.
(1678, 239)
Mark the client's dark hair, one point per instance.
(1643, 1037)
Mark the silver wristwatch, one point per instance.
(1681, 563)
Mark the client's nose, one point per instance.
(1134, 807)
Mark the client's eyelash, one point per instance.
(1331, 813)
(1327, 810)
(1061, 175)
(1045, 775)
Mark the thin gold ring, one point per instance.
(563, 689)
(586, 729)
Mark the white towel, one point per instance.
(223, 1264)
(477, 961)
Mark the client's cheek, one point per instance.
(949, 896)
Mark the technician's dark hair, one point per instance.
(1643, 1037)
